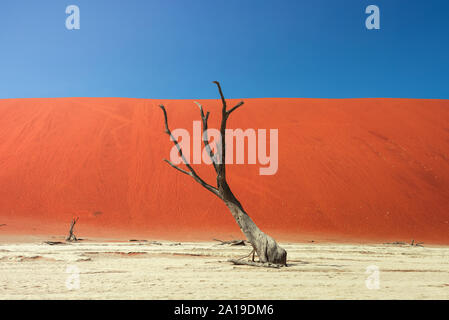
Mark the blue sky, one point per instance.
(175, 48)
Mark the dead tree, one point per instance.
(72, 236)
(265, 246)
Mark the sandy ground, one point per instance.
(199, 270)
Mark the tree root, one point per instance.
(253, 252)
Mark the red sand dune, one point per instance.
(353, 169)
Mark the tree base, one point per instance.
(268, 250)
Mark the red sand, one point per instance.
(356, 169)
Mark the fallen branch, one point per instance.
(412, 244)
(52, 243)
(396, 242)
(417, 244)
(232, 242)
(256, 264)
(175, 244)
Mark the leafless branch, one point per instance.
(204, 119)
(178, 168)
(223, 100)
(192, 172)
(234, 108)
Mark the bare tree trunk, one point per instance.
(71, 236)
(265, 246)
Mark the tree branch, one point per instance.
(205, 139)
(178, 168)
(234, 108)
(221, 173)
(223, 100)
(192, 172)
